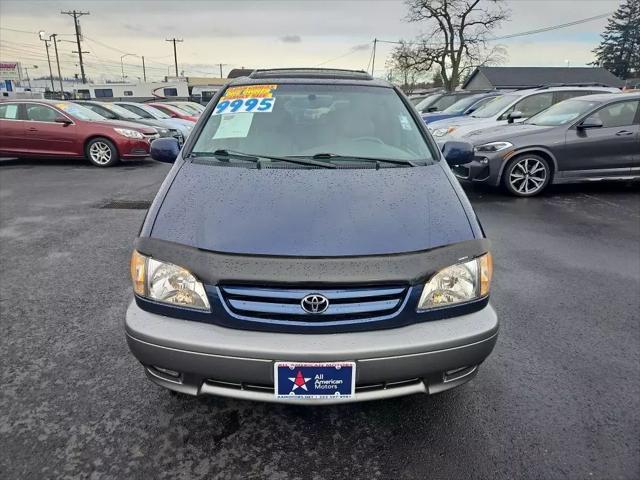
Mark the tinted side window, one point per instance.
(9, 111)
(621, 114)
(41, 113)
(534, 104)
(103, 92)
(170, 92)
(567, 94)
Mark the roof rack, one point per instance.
(578, 84)
(329, 73)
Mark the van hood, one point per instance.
(311, 212)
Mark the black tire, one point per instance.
(101, 152)
(526, 175)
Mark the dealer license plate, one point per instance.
(315, 380)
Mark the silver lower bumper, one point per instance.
(427, 357)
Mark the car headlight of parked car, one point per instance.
(166, 283)
(458, 283)
(441, 132)
(126, 132)
(492, 147)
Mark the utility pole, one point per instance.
(26, 69)
(55, 47)
(122, 64)
(41, 34)
(144, 70)
(373, 63)
(175, 53)
(76, 16)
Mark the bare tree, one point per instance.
(456, 39)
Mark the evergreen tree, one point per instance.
(619, 51)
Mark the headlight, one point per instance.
(129, 133)
(441, 132)
(492, 147)
(458, 283)
(166, 283)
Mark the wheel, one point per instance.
(101, 152)
(526, 175)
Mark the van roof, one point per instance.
(311, 75)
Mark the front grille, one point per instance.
(151, 136)
(285, 304)
(270, 388)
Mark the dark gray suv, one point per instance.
(596, 137)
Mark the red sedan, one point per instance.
(174, 112)
(49, 128)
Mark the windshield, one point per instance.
(446, 101)
(416, 100)
(496, 106)
(185, 107)
(462, 105)
(326, 121)
(427, 101)
(78, 111)
(156, 112)
(562, 113)
(123, 112)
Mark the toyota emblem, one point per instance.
(315, 303)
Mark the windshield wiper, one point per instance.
(335, 156)
(225, 153)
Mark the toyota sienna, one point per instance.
(310, 245)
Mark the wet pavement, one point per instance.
(558, 398)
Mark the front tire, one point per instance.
(101, 152)
(526, 175)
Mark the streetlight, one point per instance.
(42, 36)
(26, 69)
(55, 47)
(122, 64)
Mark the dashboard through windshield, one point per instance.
(337, 123)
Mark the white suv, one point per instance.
(508, 108)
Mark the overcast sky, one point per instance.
(269, 33)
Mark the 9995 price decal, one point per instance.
(241, 105)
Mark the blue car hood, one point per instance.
(311, 212)
(434, 117)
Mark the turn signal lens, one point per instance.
(138, 272)
(486, 273)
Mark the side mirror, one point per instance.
(590, 122)
(458, 153)
(64, 120)
(513, 116)
(165, 149)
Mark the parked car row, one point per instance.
(527, 139)
(101, 132)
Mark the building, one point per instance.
(486, 78)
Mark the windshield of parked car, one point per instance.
(327, 122)
(78, 111)
(496, 106)
(462, 105)
(185, 107)
(416, 100)
(562, 113)
(123, 112)
(427, 101)
(155, 112)
(446, 101)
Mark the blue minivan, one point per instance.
(310, 245)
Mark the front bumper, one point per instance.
(134, 148)
(481, 170)
(201, 359)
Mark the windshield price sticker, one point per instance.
(249, 91)
(244, 105)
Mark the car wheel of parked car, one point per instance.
(101, 152)
(526, 175)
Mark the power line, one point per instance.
(519, 34)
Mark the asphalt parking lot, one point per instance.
(558, 398)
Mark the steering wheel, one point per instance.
(368, 139)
